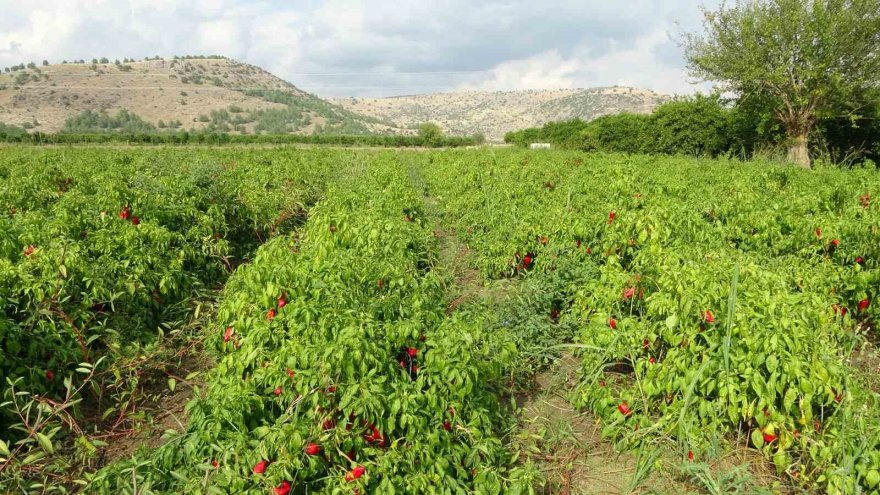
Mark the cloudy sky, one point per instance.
(377, 47)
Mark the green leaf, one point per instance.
(45, 443)
(757, 439)
(171, 384)
(4, 449)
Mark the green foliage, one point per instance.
(773, 254)
(100, 251)
(430, 133)
(807, 60)
(90, 121)
(624, 132)
(11, 133)
(332, 365)
(698, 126)
(564, 134)
(708, 126)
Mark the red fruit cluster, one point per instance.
(313, 449)
(624, 409)
(818, 233)
(374, 436)
(277, 391)
(841, 310)
(215, 463)
(769, 437)
(835, 242)
(710, 318)
(612, 323)
(611, 217)
(691, 455)
(865, 200)
(272, 313)
(29, 250)
(863, 305)
(50, 375)
(125, 214)
(406, 358)
(629, 292)
(227, 334)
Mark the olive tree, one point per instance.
(809, 59)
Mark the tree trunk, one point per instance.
(798, 151)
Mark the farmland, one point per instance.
(367, 320)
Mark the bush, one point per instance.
(625, 132)
(698, 126)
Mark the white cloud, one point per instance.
(414, 46)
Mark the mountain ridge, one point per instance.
(220, 94)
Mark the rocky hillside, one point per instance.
(184, 93)
(495, 113)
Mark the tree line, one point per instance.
(710, 126)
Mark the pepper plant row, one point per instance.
(337, 369)
(100, 249)
(728, 297)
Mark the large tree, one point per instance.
(808, 59)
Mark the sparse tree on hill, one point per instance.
(45, 63)
(809, 59)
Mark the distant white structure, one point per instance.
(539, 146)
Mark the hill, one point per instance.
(495, 113)
(210, 93)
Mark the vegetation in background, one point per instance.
(805, 60)
(123, 121)
(709, 126)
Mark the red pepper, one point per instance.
(260, 467)
(283, 488)
(313, 449)
(355, 473)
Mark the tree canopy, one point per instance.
(807, 59)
